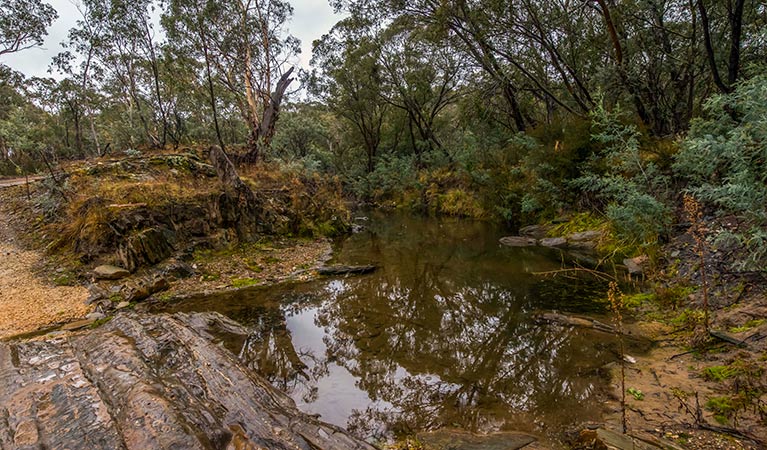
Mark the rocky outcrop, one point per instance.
(142, 382)
(149, 246)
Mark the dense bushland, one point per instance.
(521, 112)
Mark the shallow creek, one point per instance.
(442, 335)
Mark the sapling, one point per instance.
(698, 232)
(615, 296)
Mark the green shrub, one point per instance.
(722, 407)
(631, 185)
(724, 159)
(719, 373)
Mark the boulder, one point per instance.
(635, 265)
(518, 241)
(145, 288)
(108, 272)
(590, 235)
(146, 382)
(584, 240)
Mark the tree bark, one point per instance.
(262, 132)
(705, 25)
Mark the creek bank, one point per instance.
(167, 225)
(139, 382)
(702, 389)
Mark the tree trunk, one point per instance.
(262, 133)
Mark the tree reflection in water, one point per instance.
(441, 335)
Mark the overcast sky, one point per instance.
(311, 19)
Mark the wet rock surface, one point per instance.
(461, 440)
(518, 241)
(141, 382)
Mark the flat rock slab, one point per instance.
(558, 242)
(108, 272)
(80, 324)
(148, 382)
(461, 440)
(518, 241)
(612, 440)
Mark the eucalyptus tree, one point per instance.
(80, 63)
(421, 79)
(24, 24)
(348, 78)
(559, 57)
(246, 49)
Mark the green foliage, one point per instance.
(636, 393)
(244, 282)
(719, 373)
(751, 324)
(673, 296)
(23, 24)
(635, 301)
(631, 186)
(577, 223)
(688, 319)
(555, 156)
(723, 159)
(722, 407)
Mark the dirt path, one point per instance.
(27, 302)
(8, 182)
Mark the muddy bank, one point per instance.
(702, 387)
(142, 382)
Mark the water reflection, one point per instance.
(441, 335)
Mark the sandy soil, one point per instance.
(28, 302)
(670, 377)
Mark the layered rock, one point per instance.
(143, 382)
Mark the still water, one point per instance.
(442, 335)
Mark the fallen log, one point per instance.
(346, 270)
(573, 321)
(722, 336)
